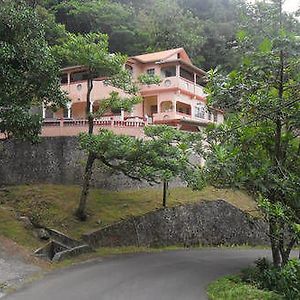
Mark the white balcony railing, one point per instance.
(176, 82)
(129, 122)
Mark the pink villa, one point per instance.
(179, 100)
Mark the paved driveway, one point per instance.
(14, 268)
(170, 275)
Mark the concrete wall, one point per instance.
(55, 160)
(206, 223)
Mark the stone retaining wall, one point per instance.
(206, 223)
(55, 160)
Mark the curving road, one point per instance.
(170, 275)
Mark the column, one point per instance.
(44, 110)
(178, 70)
(69, 105)
(122, 114)
(195, 83)
(193, 109)
(91, 106)
(69, 78)
(158, 103)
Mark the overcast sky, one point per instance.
(289, 5)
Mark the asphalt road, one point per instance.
(170, 275)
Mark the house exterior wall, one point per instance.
(174, 100)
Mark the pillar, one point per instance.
(69, 106)
(122, 114)
(158, 104)
(193, 110)
(178, 70)
(91, 106)
(44, 111)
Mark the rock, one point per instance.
(205, 223)
(26, 222)
(99, 222)
(43, 234)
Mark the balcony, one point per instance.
(190, 114)
(175, 83)
(68, 127)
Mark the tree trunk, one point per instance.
(165, 192)
(274, 244)
(88, 106)
(81, 210)
(275, 239)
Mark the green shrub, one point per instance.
(285, 280)
(232, 288)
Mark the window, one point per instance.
(186, 74)
(153, 109)
(200, 111)
(79, 76)
(64, 78)
(200, 80)
(49, 113)
(168, 72)
(151, 71)
(66, 113)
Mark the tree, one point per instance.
(205, 28)
(163, 155)
(166, 25)
(91, 51)
(28, 71)
(113, 19)
(258, 147)
(55, 33)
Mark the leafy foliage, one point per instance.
(28, 71)
(285, 281)
(258, 146)
(205, 28)
(149, 79)
(232, 288)
(167, 25)
(163, 155)
(90, 50)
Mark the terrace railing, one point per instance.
(128, 122)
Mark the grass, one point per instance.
(14, 230)
(53, 206)
(232, 288)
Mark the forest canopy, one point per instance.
(206, 29)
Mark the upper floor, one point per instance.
(172, 66)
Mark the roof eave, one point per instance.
(73, 68)
(183, 63)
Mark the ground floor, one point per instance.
(171, 109)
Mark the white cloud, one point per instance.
(289, 5)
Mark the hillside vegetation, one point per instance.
(53, 206)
